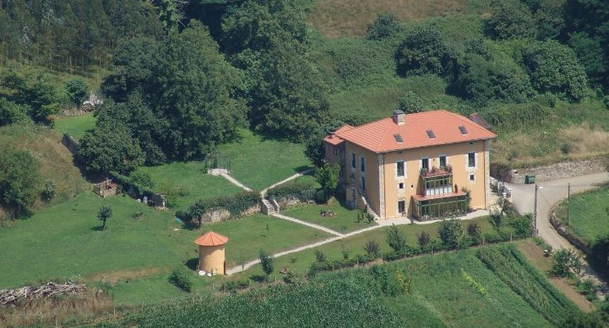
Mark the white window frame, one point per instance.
(398, 206)
(421, 163)
(440, 161)
(403, 167)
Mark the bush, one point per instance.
(236, 204)
(396, 239)
(48, 191)
(554, 68)
(424, 51)
(451, 232)
(566, 260)
(474, 231)
(372, 248)
(424, 238)
(410, 103)
(180, 278)
(267, 262)
(522, 225)
(233, 286)
(302, 191)
(320, 256)
(142, 179)
(383, 27)
(510, 19)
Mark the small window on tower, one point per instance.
(401, 185)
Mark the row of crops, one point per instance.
(492, 286)
(335, 303)
(512, 268)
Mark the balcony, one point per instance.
(442, 171)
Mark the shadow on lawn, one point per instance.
(98, 228)
(192, 264)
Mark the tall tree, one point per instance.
(104, 213)
(425, 51)
(77, 90)
(19, 178)
(510, 19)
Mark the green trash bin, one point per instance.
(529, 179)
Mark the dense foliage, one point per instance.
(19, 178)
(71, 35)
(303, 191)
(236, 204)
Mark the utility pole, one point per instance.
(534, 223)
(568, 203)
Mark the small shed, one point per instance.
(211, 253)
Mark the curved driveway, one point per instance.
(551, 193)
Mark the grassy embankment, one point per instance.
(589, 214)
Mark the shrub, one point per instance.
(474, 231)
(383, 27)
(267, 262)
(328, 177)
(372, 248)
(424, 238)
(320, 256)
(236, 204)
(48, 191)
(142, 179)
(510, 19)
(451, 232)
(496, 219)
(522, 225)
(565, 260)
(180, 278)
(392, 282)
(302, 191)
(410, 103)
(345, 252)
(232, 286)
(424, 51)
(396, 239)
(554, 68)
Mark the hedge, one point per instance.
(302, 191)
(466, 242)
(127, 183)
(235, 204)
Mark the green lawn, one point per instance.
(259, 162)
(76, 126)
(64, 241)
(345, 220)
(301, 261)
(589, 214)
(183, 183)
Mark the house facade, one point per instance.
(421, 165)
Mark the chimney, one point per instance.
(399, 117)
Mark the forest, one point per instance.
(180, 77)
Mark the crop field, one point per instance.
(64, 241)
(76, 126)
(184, 183)
(589, 216)
(471, 288)
(259, 162)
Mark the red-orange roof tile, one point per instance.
(379, 136)
(334, 139)
(211, 239)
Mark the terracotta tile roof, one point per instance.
(211, 239)
(380, 136)
(333, 138)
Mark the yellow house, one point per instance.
(424, 165)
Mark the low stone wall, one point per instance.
(561, 170)
(573, 239)
(70, 143)
(222, 214)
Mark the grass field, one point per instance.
(76, 126)
(589, 214)
(55, 161)
(183, 183)
(259, 162)
(64, 241)
(301, 261)
(345, 220)
(460, 289)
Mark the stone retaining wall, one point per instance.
(562, 170)
(222, 214)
